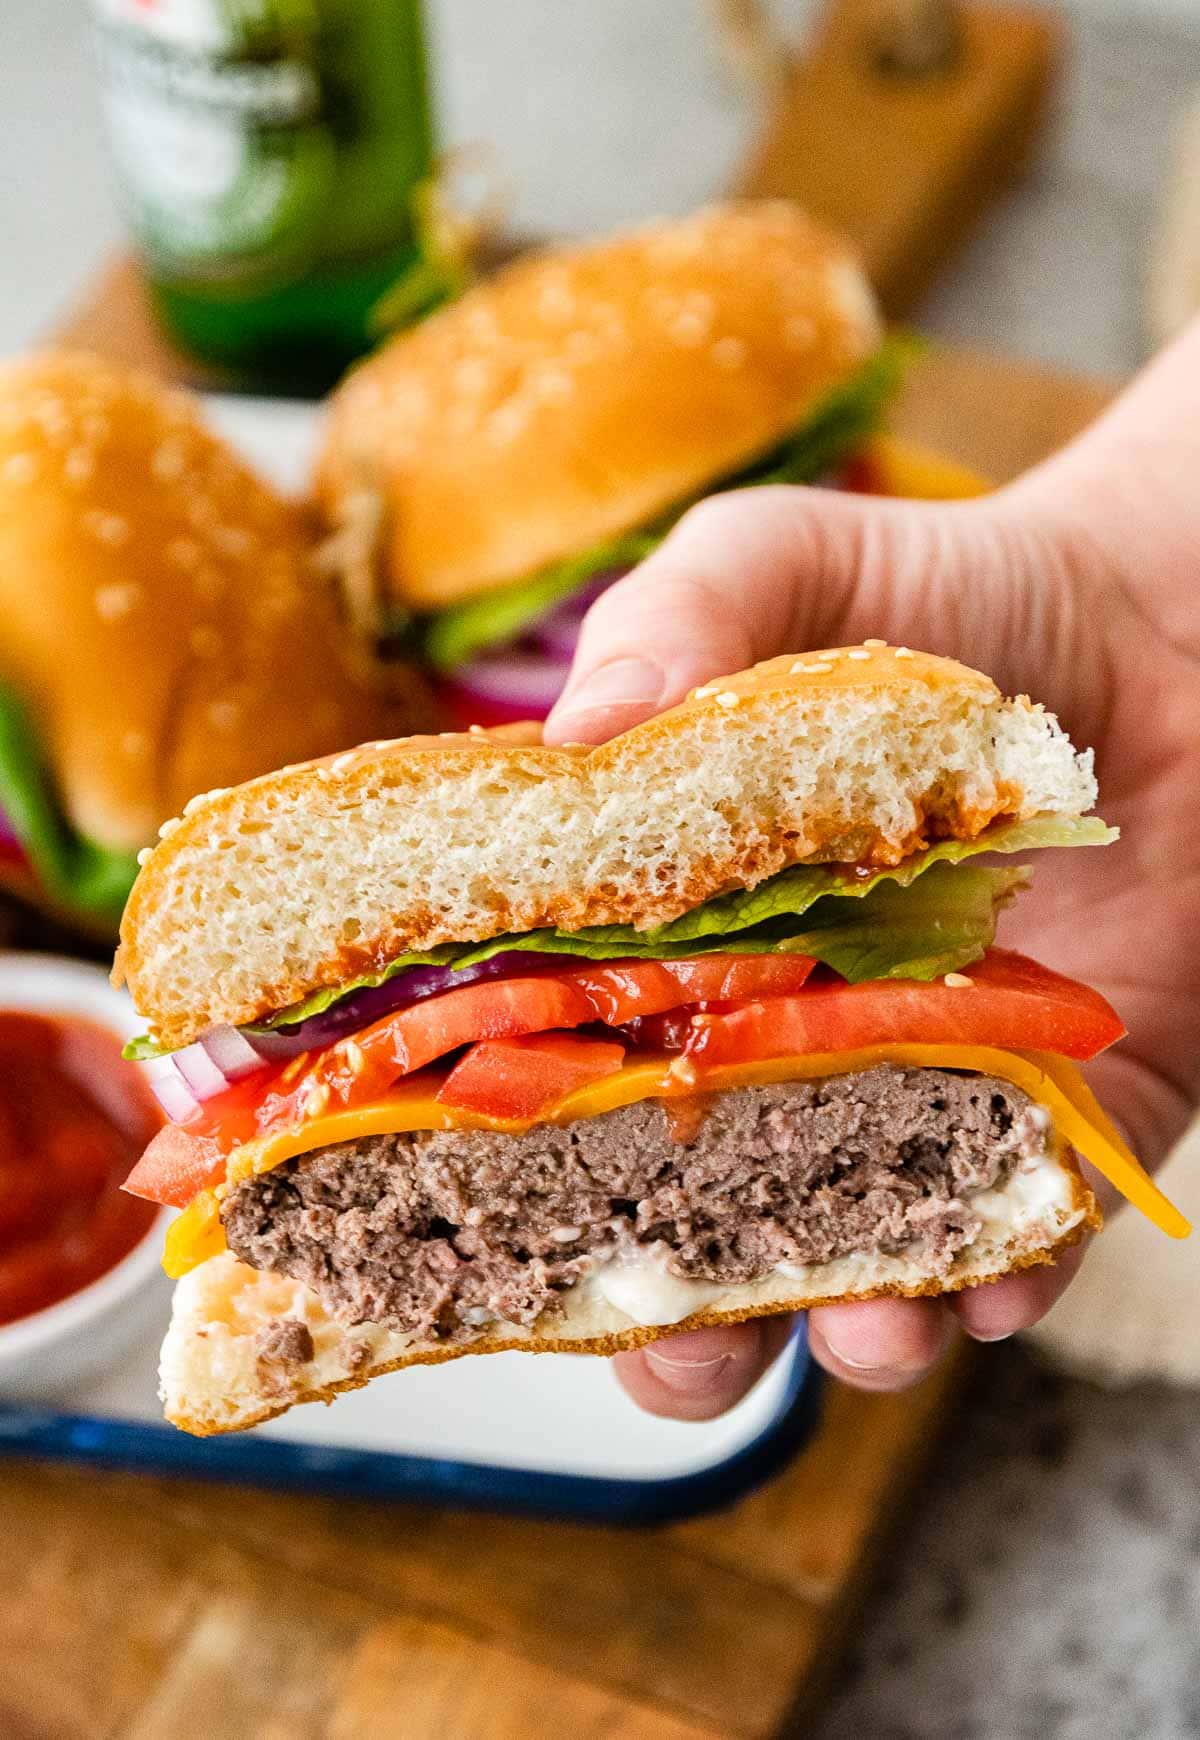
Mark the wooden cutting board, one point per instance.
(144, 1609)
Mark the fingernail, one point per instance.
(1004, 1335)
(630, 682)
(685, 1374)
(863, 1365)
(899, 1367)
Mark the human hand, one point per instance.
(1079, 584)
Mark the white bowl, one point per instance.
(43, 1354)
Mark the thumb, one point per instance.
(756, 572)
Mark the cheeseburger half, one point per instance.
(487, 473)
(160, 631)
(487, 1045)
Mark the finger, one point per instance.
(999, 1309)
(757, 572)
(879, 1344)
(703, 1373)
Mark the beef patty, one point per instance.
(441, 1231)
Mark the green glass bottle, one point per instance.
(267, 153)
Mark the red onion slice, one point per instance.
(199, 1071)
(10, 843)
(173, 1095)
(360, 1008)
(515, 679)
(231, 1052)
(557, 632)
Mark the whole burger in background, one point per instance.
(485, 476)
(161, 631)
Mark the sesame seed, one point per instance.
(475, 730)
(115, 600)
(903, 652)
(554, 386)
(232, 540)
(728, 698)
(169, 461)
(145, 855)
(20, 468)
(111, 529)
(506, 423)
(874, 642)
(819, 669)
(858, 653)
(183, 552)
(688, 329)
(79, 465)
(169, 826)
(341, 762)
(958, 981)
(704, 693)
(224, 715)
(581, 346)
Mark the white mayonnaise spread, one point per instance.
(646, 1293)
(1035, 1190)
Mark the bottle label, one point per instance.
(217, 114)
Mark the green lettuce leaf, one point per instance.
(458, 634)
(763, 919)
(843, 420)
(78, 874)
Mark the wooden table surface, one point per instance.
(143, 1609)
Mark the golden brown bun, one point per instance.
(584, 390)
(159, 620)
(320, 873)
(212, 1382)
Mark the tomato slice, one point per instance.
(524, 1077)
(177, 1163)
(1011, 1002)
(612, 992)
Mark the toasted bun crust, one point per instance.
(212, 1380)
(158, 617)
(309, 876)
(584, 390)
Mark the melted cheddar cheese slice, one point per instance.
(1049, 1081)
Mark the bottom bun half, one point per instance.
(216, 1376)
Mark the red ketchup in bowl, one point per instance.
(74, 1117)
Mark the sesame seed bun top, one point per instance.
(159, 623)
(584, 390)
